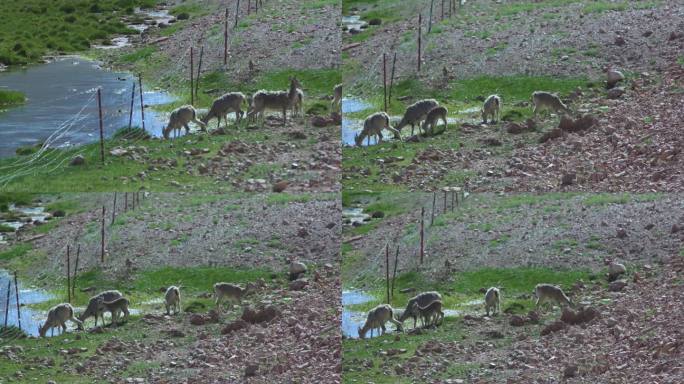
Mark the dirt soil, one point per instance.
(564, 233)
(192, 230)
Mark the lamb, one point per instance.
(172, 299)
(491, 108)
(279, 100)
(430, 314)
(115, 307)
(423, 299)
(493, 300)
(433, 117)
(231, 291)
(180, 117)
(546, 100)
(336, 103)
(416, 112)
(222, 106)
(373, 126)
(296, 269)
(57, 317)
(377, 317)
(93, 304)
(548, 292)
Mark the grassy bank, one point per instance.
(32, 29)
(9, 98)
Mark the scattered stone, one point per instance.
(675, 228)
(280, 186)
(620, 41)
(615, 270)
(253, 316)
(568, 179)
(533, 317)
(375, 21)
(553, 327)
(298, 285)
(570, 371)
(621, 233)
(197, 319)
(583, 315)
(378, 214)
(616, 93)
(251, 370)
(234, 326)
(516, 321)
(78, 160)
(175, 332)
(617, 286)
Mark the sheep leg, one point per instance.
(383, 329)
(284, 115)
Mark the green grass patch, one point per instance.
(18, 250)
(34, 28)
(10, 98)
(137, 55)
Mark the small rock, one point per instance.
(197, 319)
(280, 186)
(78, 160)
(617, 286)
(234, 326)
(621, 233)
(570, 371)
(616, 93)
(378, 214)
(675, 228)
(251, 370)
(553, 327)
(517, 321)
(568, 179)
(620, 41)
(298, 285)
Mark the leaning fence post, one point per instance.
(130, 116)
(68, 273)
(384, 78)
(237, 12)
(445, 202)
(387, 281)
(420, 22)
(99, 108)
(114, 209)
(125, 201)
(73, 281)
(432, 215)
(9, 289)
(199, 69)
(192, 70)
(394, 273)
(225, 39)
(453, 193)
(389, 97)
(16, 291)
(142, 105)
(422, 234)
(432, 3)
(102, 236)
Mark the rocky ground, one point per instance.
(629, 334)
(284, 34)
(298, 340)
(563, 231)
(632, 143)
(191, 230)
(503, 38)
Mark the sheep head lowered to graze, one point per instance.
(416, 112)
(180, 117)
(231, 292)
(373, 126)
(275, 100)
(336, 103)
(57, 317)
(545, 100)
(493, 300)
(115, 307)
(93, 305)
(491, 108)
(377, 317)
(423, 300)
(433, 117)
(172, 300)
(550, 293)
(222, 106)
(430, 314)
